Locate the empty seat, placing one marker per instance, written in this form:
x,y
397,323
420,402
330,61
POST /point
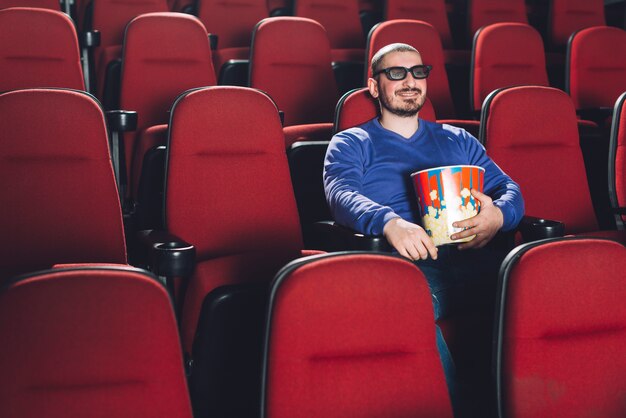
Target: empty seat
x,y
165,54
569,16
486,12
90,341
433,12
38,48
352,334
425,39
110,18
232,22
228,191
60,201
596,67
504,55
531,133
291,62
342,23
617,163
561,329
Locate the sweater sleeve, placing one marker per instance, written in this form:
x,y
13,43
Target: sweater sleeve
x,y
505,192
344,168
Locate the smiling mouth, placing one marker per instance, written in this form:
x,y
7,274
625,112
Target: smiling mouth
x,y
409,93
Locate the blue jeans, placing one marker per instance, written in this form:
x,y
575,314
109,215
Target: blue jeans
x,y
460,282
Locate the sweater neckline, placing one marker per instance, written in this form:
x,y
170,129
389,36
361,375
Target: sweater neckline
x,y
416,135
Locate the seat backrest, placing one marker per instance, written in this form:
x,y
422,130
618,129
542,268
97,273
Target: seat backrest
x,y
164,55
38,48
425,38
40,4
531,132
352,334
486,12
228,191
617,160
91,341
232,21
569,16
358,106
339,18
290,61
596,67
431,11
561,330
60,203
503,55
110,17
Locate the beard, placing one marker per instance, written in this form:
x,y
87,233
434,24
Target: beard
x,y
406,108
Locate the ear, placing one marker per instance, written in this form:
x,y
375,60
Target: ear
x,y
372,86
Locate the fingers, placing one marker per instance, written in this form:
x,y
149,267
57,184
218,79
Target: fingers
x,y
481,197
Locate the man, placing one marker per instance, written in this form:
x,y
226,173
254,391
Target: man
x,y
368,188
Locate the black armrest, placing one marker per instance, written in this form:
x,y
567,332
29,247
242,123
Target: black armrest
x,y
213,40
331,236
597,115
88,41
534,229
618,211
166,254
121,120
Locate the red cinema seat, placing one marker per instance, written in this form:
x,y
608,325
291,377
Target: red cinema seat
x,y
90,341
486,12
531,133
232,22
504,55
39,4
342,23
569,16
164,55
352,335
38,48
228,191
60,202
561,330
291,62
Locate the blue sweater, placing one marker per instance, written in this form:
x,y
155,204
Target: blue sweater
x,y
367,173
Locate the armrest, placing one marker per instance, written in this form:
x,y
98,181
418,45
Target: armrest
x,y
166,254
121,120
331,236
213,40
597,115
619,211
534,229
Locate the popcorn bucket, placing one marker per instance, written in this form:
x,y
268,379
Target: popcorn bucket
x,y
443,195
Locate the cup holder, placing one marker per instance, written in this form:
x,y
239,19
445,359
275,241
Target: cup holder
x,y
174,258
536,229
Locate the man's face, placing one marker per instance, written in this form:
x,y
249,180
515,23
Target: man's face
x,y
403,98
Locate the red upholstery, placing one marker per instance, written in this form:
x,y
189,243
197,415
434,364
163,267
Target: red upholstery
x,y
358,106
486,12
60,203
569,16
110,17
40,4
310,132
506,54
232,22
97,342
291,62
342,23
228,191
352,335
563,331
531,133
617,160
597,67
433,12
38,48
165,54
425,38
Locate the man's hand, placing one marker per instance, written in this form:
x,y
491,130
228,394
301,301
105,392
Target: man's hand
x,y
409,239
484,225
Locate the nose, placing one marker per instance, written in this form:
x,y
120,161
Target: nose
x,y
409,81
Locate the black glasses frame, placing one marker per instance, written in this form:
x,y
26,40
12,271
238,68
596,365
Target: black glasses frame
x,y
424,68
